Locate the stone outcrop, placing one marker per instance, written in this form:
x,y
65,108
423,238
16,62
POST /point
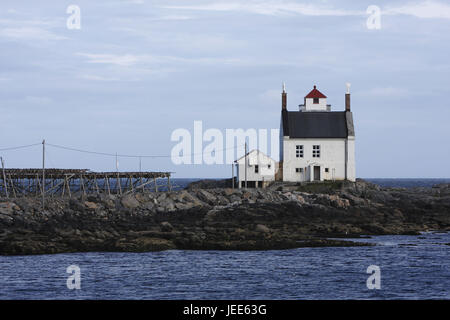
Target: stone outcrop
x,y
210,184
278,217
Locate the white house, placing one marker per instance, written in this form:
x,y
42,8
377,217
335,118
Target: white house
x,y
256,169
317,144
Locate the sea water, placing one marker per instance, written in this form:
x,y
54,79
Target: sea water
x,y
411,267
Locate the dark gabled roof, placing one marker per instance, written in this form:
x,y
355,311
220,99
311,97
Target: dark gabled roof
x,y
315,94
315,124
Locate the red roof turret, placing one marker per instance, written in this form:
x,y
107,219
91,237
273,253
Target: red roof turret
x,y
315,94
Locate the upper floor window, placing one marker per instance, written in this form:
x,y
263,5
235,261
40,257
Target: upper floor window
x,y
299,151
256,168
316,151
315,100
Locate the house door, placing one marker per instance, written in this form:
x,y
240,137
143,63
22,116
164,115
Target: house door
x,y
316,173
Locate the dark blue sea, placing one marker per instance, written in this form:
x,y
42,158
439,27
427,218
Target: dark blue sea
x,y
406,183
410,267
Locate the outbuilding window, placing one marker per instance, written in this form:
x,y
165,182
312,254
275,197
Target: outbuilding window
x,y
315,100
316,151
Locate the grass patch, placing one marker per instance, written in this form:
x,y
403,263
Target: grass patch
x,y
321,187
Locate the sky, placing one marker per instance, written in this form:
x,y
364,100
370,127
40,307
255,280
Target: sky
x,y
136,70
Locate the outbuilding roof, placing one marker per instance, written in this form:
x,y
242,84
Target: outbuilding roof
x,y
258,152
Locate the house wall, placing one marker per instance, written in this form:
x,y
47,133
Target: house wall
x,y
351,167
332,156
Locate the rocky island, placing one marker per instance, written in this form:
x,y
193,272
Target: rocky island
x,y
207,217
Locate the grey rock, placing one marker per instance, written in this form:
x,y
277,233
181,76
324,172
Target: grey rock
x,y
166,227
130,202
8,208
206,197
149,206
184,206
262,228
76,205
6,219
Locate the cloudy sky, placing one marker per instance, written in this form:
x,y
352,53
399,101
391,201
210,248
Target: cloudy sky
x,y
139,69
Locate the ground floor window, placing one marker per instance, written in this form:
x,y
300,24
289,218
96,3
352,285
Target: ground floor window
x,y
299,170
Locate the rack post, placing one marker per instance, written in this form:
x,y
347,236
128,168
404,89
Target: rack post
x,y
232,175
245,164
43,174
5,183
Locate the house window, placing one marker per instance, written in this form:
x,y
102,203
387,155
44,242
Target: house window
x,y
299,151
327,170
299,170
316,100
269,166
256,168
316,151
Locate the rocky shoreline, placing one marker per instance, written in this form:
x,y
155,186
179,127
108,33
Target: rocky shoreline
x,y
209,218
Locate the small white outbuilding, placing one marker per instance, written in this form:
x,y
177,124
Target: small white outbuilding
x,y
256,169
